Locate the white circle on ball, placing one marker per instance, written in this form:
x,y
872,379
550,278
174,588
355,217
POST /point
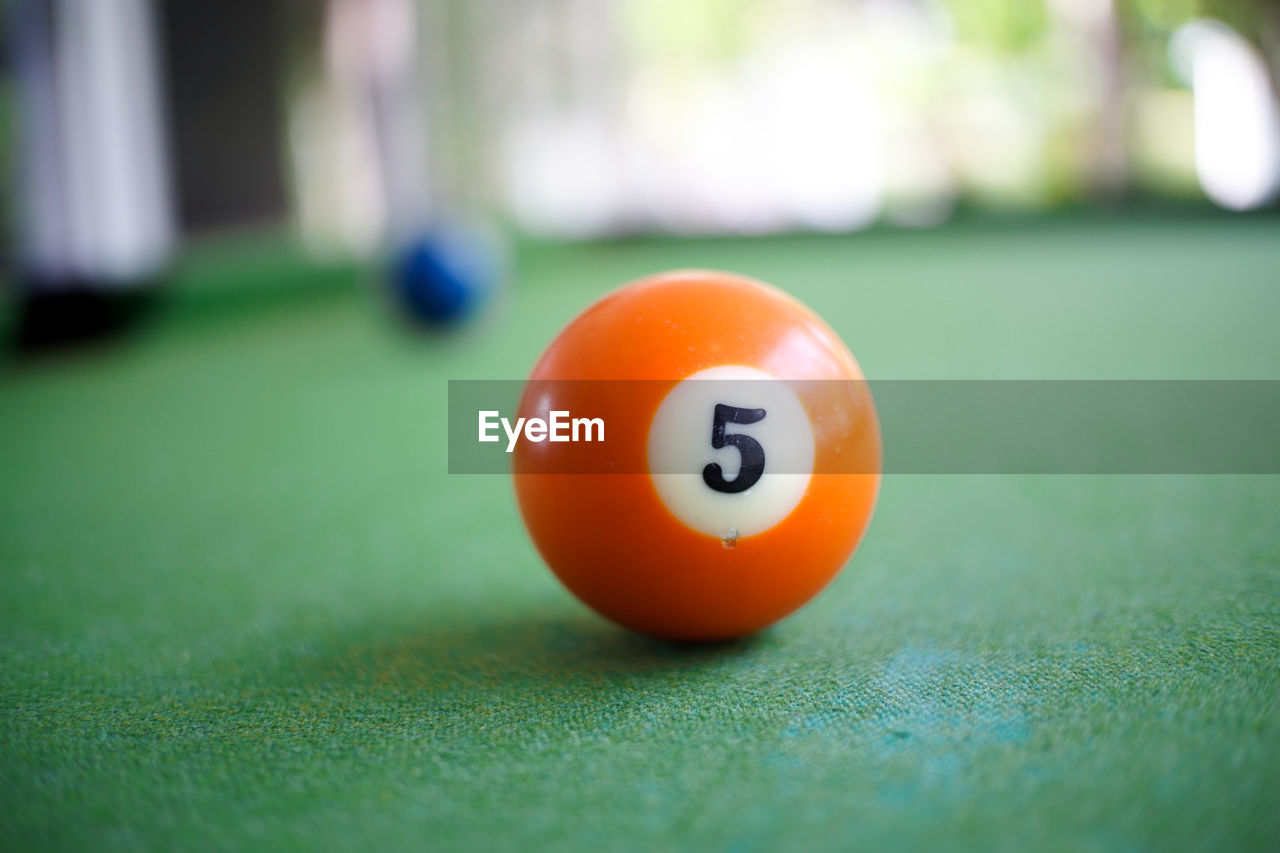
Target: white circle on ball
x,y
734,500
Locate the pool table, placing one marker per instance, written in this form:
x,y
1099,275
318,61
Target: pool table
x,y
243,605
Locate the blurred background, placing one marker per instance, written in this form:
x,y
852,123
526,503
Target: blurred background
x,y
135,126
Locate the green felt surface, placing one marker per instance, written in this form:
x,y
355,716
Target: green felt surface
x,y
242,605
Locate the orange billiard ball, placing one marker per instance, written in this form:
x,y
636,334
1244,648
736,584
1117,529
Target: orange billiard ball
x,y
738,461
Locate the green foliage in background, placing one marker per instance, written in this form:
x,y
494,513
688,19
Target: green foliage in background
x,y
715,31
1163,15
1152,22
1001,25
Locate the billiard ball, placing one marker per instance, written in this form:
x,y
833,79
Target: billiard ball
x,y
442,277
741,464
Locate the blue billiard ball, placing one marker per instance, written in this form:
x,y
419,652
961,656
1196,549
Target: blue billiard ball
x,y
443,277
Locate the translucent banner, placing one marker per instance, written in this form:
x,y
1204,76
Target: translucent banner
x,y
753,427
